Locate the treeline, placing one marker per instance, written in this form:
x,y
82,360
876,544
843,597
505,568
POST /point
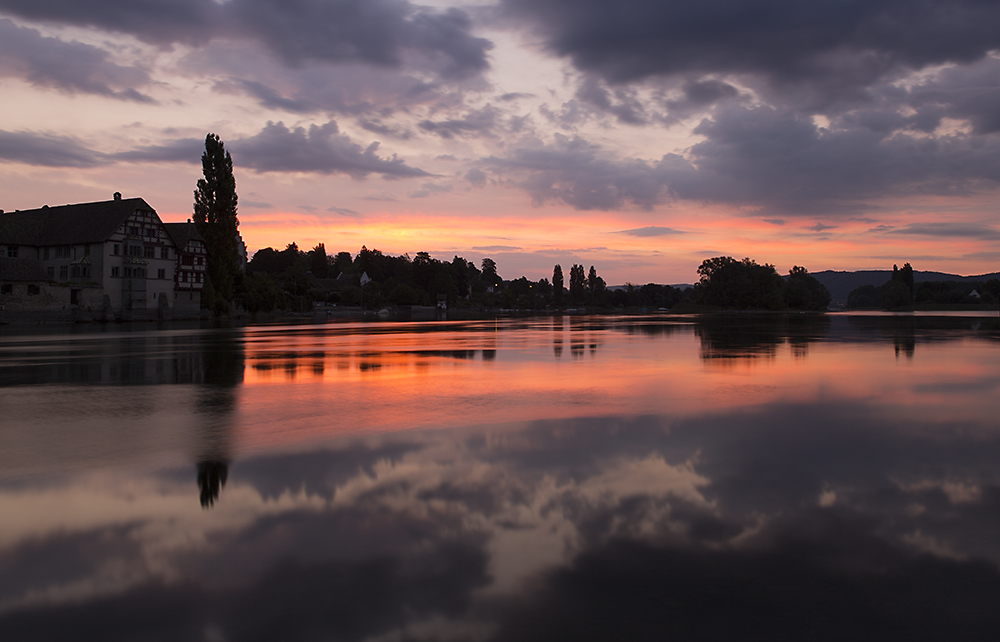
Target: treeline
x,y
744,285
900,292
292,279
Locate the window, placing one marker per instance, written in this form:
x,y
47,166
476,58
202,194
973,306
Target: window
x,y
45,254
115,249
149,251
51,272
161,273
86,250
84,270
116,271
62,252
63,272
12,251
33,289
187,260
164,252
7,288
135,250
75,271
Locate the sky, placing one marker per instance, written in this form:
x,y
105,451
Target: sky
x,y
638,136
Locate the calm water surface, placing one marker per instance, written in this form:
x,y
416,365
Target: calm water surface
x,y
567,478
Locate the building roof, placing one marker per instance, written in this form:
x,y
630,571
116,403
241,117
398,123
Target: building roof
x,y
68,224
21,269
183,233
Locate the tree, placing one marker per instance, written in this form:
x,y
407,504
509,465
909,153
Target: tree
x,y
557,284
594,283
577,284
215,219
740,285
904,276
490,277
317,261
461,270
804,292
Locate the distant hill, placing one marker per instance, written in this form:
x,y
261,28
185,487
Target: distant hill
x,y
840,284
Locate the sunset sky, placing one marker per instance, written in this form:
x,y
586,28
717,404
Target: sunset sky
x,y
639,136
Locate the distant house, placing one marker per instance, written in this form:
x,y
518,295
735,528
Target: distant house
x,y
108,257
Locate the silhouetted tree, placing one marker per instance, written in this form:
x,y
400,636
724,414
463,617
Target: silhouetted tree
x,y
490,276
905,277
342,263
557,284
215,219
577,284
740,285
317,261
804,292
460,268
594,283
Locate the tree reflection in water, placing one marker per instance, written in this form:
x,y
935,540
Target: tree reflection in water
x,y
224,365
211,479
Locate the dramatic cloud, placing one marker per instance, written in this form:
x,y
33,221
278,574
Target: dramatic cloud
x,y
587,177
72,67
828,42
763,157
46,150
321,149
377,32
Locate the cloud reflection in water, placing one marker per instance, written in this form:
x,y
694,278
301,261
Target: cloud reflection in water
x,y
823,516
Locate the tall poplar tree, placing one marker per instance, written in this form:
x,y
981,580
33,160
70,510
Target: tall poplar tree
x,y
215,219
557,284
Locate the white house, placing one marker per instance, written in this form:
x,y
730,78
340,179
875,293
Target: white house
x,y
112,256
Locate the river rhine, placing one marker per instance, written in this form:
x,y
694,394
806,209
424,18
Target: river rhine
x,y
549,478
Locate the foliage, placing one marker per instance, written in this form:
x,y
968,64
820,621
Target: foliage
x,y
215,219
557,284
577,285
804,292
740,285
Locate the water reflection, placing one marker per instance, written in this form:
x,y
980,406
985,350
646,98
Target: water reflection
x,y
468,483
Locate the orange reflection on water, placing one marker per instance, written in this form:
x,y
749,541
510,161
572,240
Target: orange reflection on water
x,y
303,384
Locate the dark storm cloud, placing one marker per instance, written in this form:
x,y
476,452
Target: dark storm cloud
x,y
72,67
46,150
161,22
779,161
829,41
321,149
620,102
378,32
